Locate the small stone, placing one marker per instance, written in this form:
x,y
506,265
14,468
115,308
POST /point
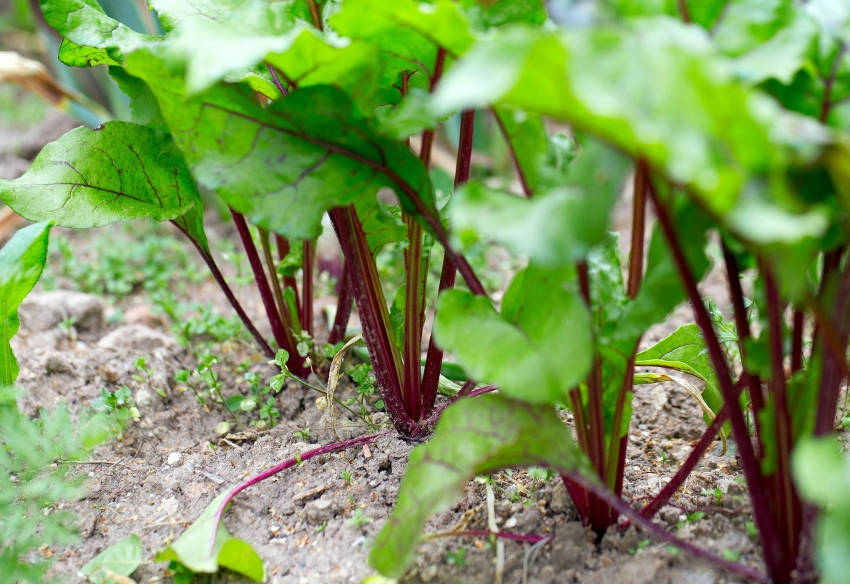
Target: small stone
x,y
669,515
145,398
560,499
173,458
134,339
319,510
428,573
57,363
42,311
511,522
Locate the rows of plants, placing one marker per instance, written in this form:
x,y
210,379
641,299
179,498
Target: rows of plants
x,y
721,118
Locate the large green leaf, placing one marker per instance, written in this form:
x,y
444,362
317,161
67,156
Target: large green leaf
x,y
215,39
21,262
407,34
84,23
555,228
285,165
195,548
473,437
684,350
539,346
118,172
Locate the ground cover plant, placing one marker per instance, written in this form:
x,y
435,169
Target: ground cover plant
x,y
721,128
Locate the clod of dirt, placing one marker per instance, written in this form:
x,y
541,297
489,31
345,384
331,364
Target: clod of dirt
x,y
42,311
135,339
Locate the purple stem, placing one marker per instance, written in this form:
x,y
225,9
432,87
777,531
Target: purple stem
x,y
228,293
308,260
281,333
343,306
434,356
289,462
500,534
770,537
374,318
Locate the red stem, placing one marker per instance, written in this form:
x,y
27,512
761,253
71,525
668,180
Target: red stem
x,y
289,462
308,259
344,302
434,356
658,532
281,333
374,318
770,537
228,293
787,499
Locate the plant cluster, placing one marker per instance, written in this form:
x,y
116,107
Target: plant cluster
x,y
723,118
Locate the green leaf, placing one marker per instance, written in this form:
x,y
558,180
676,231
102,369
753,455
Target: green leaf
x,y
216,39
119,559
193,548
684,350
822,474
779,58
75,55
473,437
554,229
144,108
502,12
539,346
119,172
84,23
285,165
683,130
21,262
407,34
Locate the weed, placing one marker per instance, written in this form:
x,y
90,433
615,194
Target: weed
x,y
359,519
119,404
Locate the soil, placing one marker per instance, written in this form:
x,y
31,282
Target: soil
x,y
158,477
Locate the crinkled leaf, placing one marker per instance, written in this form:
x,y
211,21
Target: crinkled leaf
x,y
503,12
747,24
193,549
473,437
285,165
779,58
215,39
408,34
118,560
316,58
84,23
555,228
75,55
118,172
684,350
535,350
21,262
144,108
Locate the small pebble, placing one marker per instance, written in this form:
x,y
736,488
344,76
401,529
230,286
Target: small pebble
x,y
173,458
